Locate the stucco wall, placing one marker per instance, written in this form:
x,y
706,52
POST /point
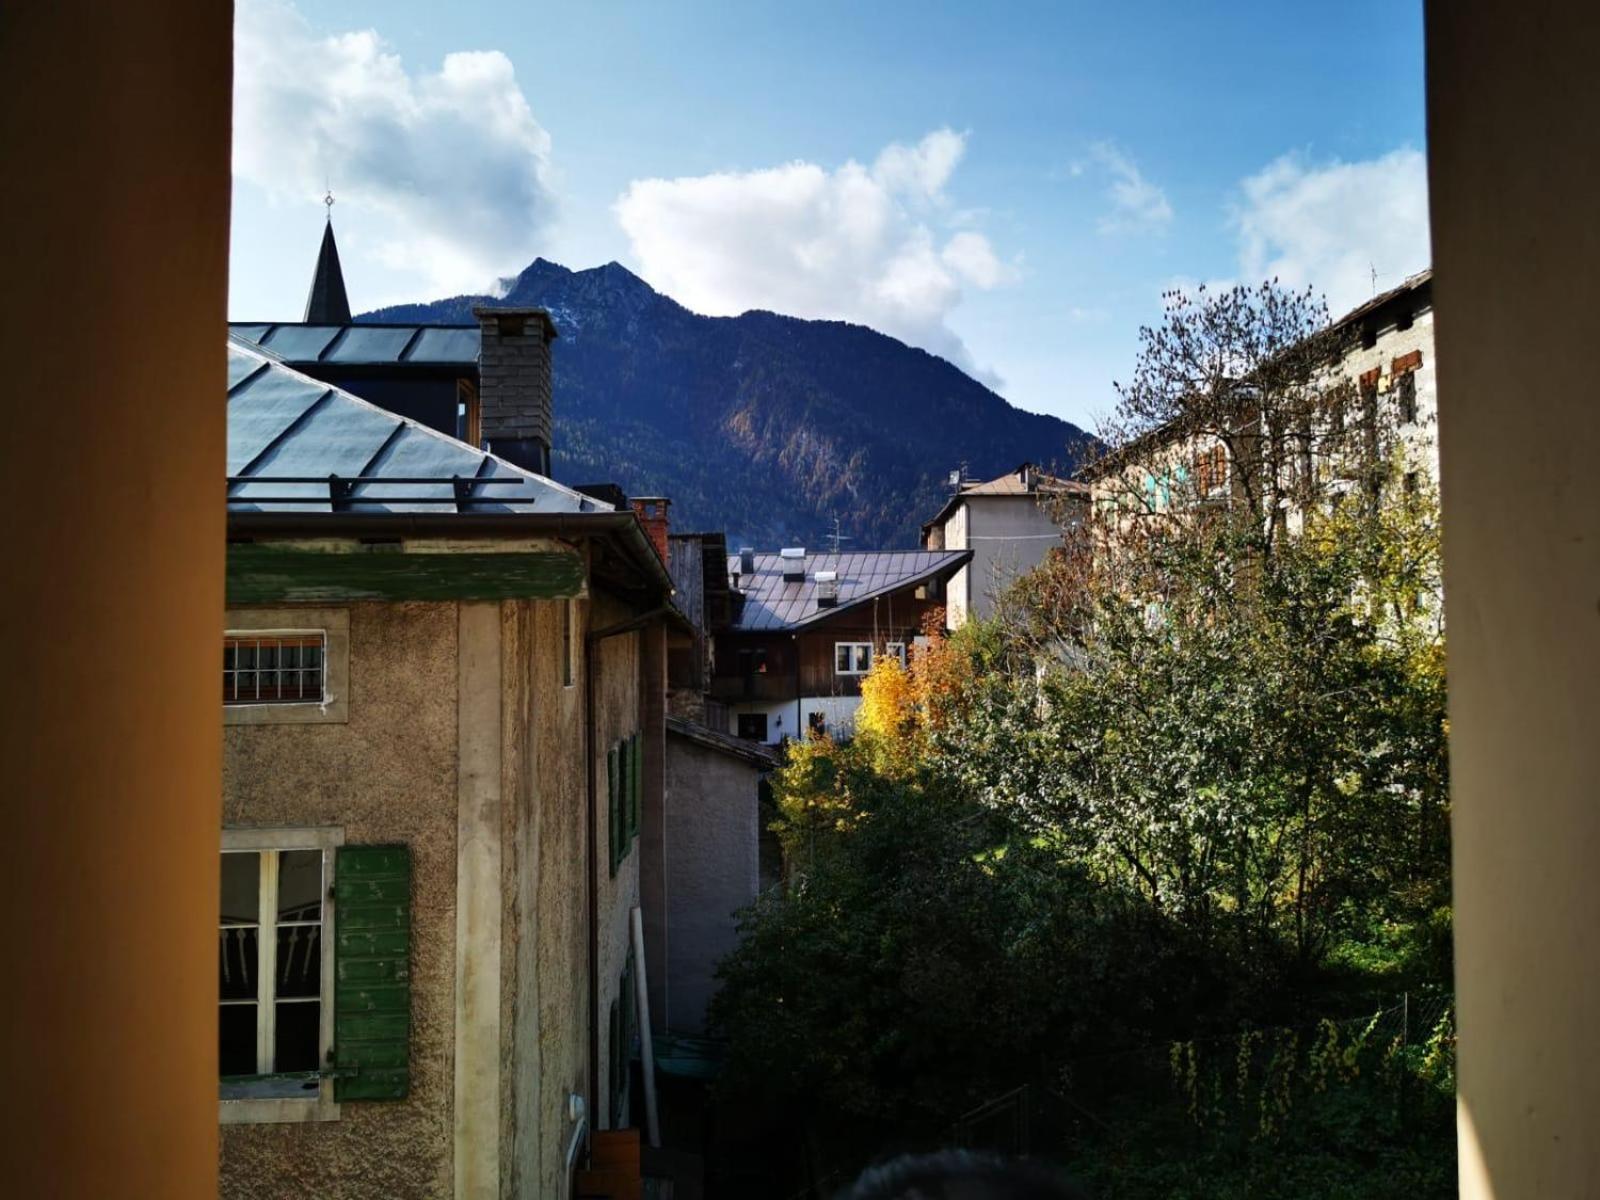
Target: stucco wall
x,y
712,862
388,775
546,955
1008,536
616,715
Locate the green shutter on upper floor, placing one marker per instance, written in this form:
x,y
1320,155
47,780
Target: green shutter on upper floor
x,y
635,782
614,808
372,973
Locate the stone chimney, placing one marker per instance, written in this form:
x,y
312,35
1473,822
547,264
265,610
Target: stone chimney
x,y
652,514
514,385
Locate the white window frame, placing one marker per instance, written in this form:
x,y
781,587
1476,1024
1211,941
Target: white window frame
x,y
898,649
852,648
333,624
285,1109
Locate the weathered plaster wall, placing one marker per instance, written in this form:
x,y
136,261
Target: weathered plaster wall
x,y
546,940
616,714
388,775
712,859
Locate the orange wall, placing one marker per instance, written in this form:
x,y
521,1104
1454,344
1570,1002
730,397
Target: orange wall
x,y
114,125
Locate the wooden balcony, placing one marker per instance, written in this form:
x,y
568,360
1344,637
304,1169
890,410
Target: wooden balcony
x,y
734,688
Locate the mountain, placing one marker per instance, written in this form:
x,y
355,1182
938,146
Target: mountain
x,y
765,426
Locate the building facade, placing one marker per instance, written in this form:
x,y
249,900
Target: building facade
x,y
443,685
1009,524
806,628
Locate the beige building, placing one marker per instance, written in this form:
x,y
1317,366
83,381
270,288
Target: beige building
x,y
1009,523
1379,400
443,688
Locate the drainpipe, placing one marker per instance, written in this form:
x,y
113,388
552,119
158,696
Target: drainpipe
x,y
794,642
591,642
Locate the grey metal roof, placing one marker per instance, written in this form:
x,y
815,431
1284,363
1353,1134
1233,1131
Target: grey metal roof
x,y
772,603
283,425
363,345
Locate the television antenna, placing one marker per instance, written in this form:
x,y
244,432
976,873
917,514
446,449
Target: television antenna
x,y
835,538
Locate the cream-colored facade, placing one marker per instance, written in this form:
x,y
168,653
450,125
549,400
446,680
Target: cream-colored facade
x,y
1386,377
461,739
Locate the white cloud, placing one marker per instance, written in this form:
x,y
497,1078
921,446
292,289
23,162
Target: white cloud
x,y
449,170
1331,226
853,243
1137,205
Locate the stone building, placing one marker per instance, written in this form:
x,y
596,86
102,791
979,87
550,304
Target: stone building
x,y
443,693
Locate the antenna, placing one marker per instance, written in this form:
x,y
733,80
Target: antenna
x,y
836,537
1372,269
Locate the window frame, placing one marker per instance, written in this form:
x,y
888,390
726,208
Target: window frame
x,y
900,651
322,1106
320,636
333,624
852,647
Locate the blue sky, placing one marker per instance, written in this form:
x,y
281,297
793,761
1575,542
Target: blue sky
x,y
1012,186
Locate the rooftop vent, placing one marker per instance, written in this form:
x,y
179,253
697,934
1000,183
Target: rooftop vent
x,y
827,588
747,561
794,564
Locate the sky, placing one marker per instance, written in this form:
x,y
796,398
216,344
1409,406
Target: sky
x,y
1011,186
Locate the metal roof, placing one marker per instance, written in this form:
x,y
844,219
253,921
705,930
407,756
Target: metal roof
x,y
365,344
289,433
772,603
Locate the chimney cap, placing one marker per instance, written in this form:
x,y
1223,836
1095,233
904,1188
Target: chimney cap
x,y
484,313
792,552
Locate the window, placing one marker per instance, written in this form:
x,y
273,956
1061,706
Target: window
x,y
1211,470
753,726
286,666
567,656
275,968
897,650
274,668
278,959
624,1037
1405,391
817,723
852,658
469,418
624,795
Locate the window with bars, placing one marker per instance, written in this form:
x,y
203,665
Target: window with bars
x,y
274,667
273,981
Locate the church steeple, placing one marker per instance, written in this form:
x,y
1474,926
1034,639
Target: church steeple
x,y
327,304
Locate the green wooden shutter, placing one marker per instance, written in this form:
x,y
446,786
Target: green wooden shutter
x,y
614,807
372,973
636,780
